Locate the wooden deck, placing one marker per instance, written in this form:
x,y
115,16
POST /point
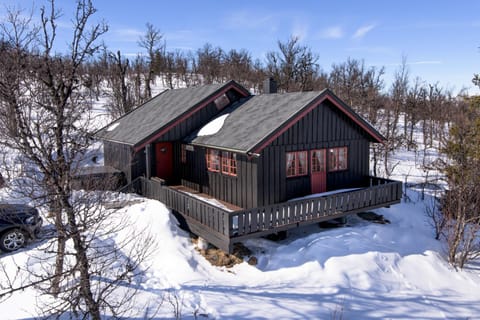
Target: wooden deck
x,y
223,227
207,198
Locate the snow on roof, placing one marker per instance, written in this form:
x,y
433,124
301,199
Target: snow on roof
x,y
113,126
213,126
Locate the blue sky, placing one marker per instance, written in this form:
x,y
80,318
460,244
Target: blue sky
x,y
440,39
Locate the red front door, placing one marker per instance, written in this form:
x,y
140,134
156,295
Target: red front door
x,y
164,160
318,171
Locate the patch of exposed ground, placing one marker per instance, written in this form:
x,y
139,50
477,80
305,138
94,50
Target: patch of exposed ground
x,y
220,258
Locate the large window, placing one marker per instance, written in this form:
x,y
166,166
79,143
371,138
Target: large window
x,y
229,163
337,159
297,164
213,160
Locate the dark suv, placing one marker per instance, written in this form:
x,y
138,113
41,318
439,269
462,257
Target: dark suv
x,y
18,224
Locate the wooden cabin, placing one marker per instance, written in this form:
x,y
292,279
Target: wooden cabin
x,y
245,152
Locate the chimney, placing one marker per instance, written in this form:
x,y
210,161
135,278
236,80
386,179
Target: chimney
x,y
269,86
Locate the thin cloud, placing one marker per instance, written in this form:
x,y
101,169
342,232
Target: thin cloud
x,y
128,34
332,33
415,63
372,49
248,20
426,62
300,30
362,31
182,35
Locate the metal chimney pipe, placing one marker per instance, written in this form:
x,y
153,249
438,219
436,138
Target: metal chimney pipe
x,y
269,86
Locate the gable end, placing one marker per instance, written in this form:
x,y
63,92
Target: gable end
x,y
326,95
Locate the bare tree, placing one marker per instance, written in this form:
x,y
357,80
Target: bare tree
x,y
412,109
121,100
139,68
239,66
45,118
209,62
294,67
182,67
435,215
169,69
461,203
398,95
359,86
152,42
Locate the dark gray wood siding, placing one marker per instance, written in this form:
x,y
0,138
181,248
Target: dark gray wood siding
x,y
139,164
240,190
121,157
322,128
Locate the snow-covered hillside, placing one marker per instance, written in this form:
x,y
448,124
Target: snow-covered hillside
x,y
360,271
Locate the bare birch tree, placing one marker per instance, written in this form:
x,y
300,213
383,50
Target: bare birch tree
x,y
44,117
294,66
152,42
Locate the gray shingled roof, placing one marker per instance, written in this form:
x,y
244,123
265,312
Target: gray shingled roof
x,y
251,123
256,119
146,120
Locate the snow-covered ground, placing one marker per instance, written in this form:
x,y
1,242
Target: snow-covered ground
x,y
360,271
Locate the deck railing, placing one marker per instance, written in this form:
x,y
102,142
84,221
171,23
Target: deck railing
x,y
204,219
381,193
221,227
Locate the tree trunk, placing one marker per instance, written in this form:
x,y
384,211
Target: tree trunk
x,y
60,255
82,264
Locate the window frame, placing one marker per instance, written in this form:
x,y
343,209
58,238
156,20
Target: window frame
x,y
229,163
213,160
219,161
337,159
298,169
221,101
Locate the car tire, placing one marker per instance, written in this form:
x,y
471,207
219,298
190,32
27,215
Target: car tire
x,y
12,240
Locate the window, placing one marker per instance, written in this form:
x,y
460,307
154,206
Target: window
x,y
318,160
183,154
224,161
222,101
337,159
213,160
229,163
297,163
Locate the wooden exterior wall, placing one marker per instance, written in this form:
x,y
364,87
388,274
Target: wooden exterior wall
x,y
262,180
324,127
240,190
121,157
